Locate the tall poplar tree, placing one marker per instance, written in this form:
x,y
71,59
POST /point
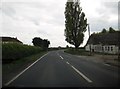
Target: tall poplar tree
x,y
75,23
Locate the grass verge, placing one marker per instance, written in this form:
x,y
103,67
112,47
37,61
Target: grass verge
x,y
12,69
83,52
77,52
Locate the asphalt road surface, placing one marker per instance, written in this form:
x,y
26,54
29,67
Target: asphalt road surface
x,y
59,69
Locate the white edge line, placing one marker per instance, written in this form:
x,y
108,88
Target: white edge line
x,y
81,74
24,70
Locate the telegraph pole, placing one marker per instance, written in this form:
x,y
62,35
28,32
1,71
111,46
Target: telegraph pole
x,y
89,37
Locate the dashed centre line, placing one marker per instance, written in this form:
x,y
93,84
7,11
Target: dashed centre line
x,y
107,64
68,63
81,74
61,57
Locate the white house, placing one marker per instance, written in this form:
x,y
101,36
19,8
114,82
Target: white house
x,y
104,42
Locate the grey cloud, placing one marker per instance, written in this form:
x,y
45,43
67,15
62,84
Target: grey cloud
x,y
103,21
8,10
100,23
43,32
35,21
108,8
112,6
56,15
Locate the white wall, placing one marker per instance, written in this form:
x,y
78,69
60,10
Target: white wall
x,y
112,49
87,48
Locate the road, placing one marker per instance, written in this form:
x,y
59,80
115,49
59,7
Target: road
x,y
59,69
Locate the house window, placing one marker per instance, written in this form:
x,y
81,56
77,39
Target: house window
x,y
102,48
108,48
111,48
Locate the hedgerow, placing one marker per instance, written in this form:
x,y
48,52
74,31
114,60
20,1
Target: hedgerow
x,y
15,51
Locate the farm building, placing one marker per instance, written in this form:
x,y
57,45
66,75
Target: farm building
x,y
104,42
9,40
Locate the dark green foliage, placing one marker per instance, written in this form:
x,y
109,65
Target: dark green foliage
x,y
111,30
15,51
67,46
45,44
41,43
104,30
75,23
37,41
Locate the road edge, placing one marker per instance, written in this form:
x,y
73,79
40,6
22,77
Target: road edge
x,y
6,84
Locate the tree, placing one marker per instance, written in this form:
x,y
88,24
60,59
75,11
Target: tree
x,y
67,46
111,30
104,30
75,23
37,41
45,44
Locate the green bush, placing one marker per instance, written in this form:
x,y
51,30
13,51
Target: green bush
x,y
15,51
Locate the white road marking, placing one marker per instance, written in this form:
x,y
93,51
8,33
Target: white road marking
x,y
68,63
61,57
24,70
81,74
107,64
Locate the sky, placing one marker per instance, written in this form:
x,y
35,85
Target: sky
x,y
26,19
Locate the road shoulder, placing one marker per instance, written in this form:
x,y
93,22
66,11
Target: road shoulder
x,y
111,60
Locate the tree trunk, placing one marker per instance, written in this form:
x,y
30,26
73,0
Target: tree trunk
x,y
76,47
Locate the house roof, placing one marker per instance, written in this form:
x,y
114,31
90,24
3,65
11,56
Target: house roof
x,y
105,39
10,39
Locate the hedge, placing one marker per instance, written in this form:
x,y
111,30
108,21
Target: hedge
x,y
15,51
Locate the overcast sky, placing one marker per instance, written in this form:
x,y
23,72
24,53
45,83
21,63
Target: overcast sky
x,y
26,19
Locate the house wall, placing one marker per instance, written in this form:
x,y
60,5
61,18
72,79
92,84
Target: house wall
x,y
87,48
111,49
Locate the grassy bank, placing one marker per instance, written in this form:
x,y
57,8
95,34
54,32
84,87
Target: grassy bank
x,y
15,51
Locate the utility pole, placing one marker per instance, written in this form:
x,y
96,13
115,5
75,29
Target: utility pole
x,y
89,37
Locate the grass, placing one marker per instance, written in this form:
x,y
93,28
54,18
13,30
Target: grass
x,y
82,51
77,52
